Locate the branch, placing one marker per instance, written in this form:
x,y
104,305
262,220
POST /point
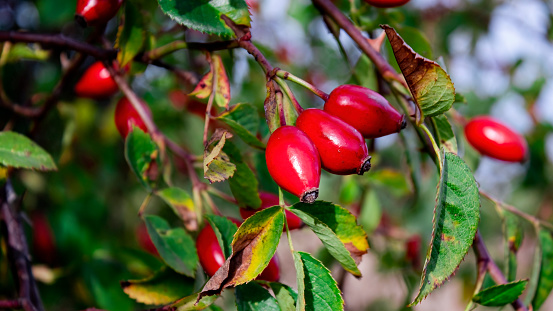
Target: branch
x,y
483,258
388,73
57,41
179,45
18,252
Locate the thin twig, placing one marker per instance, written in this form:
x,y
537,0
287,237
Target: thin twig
x,y
49,41
386,70
179,45
18,251
482,256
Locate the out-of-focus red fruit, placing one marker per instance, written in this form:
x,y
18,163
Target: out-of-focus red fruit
x,y
126,116
271,272
268,200
412,251
93,12
96,83
293,162
364,109
495,139
386,3
211,255
145,241
342,148
44,244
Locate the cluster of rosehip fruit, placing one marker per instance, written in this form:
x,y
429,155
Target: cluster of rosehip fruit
x,y
332,139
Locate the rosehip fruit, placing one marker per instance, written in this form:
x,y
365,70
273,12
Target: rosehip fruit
x,y
126,116
342,148
293,162
96,83
495,139
268,200
212,258
364,109
44,244
386,3
93,12
145,241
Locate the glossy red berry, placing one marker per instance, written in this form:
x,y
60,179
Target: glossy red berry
x,y
93,12
145,241
342,148
364,109
96,83
212,258
293,162
126,116
267,200
495,139
386,3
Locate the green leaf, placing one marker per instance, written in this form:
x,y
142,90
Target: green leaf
x,y
175,246
253,246
456,217
545,281
513,234
253,297
363,73
429,84
500,295
393,180
142,155
371,212
192,303
243,184
317,290
224,230
243,119
19,151
205,16
21,51
444,133
181,203
337,228
217,165
285,295
204,88
131,35
163,287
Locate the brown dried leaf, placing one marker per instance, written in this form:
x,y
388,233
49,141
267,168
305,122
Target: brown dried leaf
x,y
430,85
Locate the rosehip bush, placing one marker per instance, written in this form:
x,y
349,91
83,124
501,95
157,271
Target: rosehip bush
x,y
370,165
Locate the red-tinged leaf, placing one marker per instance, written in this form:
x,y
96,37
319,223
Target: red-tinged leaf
x,y
222,89
163,287
253,246
429,84
182,205
272,102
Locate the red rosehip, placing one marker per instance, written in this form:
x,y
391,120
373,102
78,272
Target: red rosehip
x,y
364,109
386,3
212,258
342,148
412,250
268,200
93,12
126,116
293,162
44,244
494,139
96,83
145,241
